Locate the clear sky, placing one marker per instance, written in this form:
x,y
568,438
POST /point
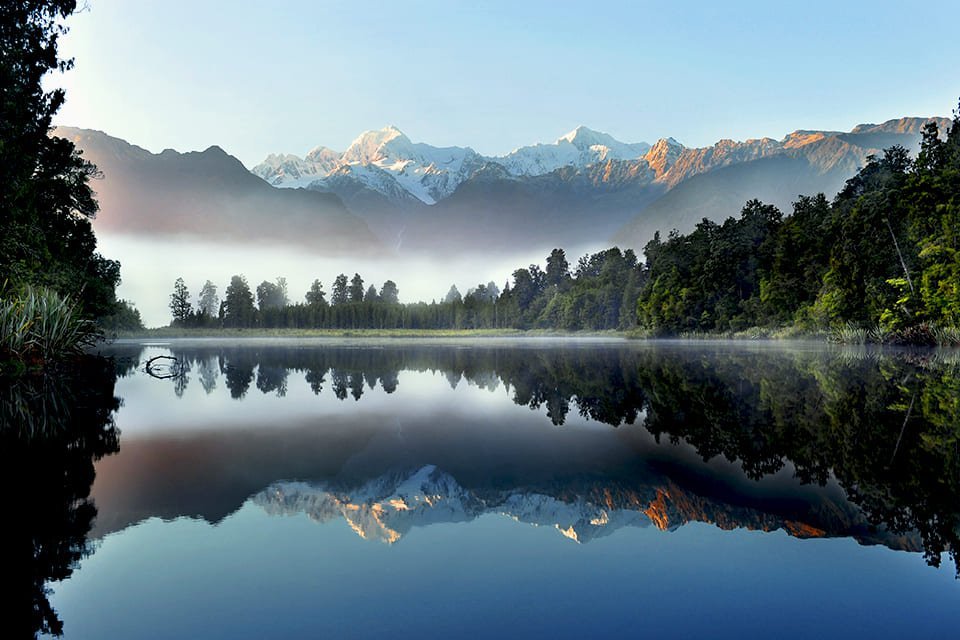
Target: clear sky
x,y
285,76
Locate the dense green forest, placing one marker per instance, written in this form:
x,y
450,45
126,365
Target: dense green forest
x,y
54,282
880,262
881,259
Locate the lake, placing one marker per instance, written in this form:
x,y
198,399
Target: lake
x,y
488,488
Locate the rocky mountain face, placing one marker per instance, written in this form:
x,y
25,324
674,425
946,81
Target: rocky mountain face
x,y
210,194
586,187
715,183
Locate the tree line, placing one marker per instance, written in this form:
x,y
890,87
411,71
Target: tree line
x,y
599,293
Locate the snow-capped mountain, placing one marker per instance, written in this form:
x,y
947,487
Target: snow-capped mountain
x,y
579,148
288,170
384,161
430,173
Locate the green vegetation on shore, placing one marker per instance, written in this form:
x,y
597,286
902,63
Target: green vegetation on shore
x,y
55,282
38,326
254,332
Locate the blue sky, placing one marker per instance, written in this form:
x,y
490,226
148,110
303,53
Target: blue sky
x,y
261,77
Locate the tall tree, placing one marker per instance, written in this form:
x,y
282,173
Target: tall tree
x,y
238,309
558,269
272,295
180,307
316,295
356,288
208,302
389,292
339,294
45,196
453,295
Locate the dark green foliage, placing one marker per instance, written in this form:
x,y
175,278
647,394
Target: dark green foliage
x,y
389,294
356,288
316,296
882,256
558,269
45,197
52,431
801,252
238,309
180,307
125,318
710,279
340,295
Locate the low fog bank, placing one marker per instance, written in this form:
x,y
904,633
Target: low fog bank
x,y
149,267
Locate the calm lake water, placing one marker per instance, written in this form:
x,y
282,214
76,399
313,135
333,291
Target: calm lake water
x,y
496,488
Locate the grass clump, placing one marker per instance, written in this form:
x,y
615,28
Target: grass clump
x,y
38,326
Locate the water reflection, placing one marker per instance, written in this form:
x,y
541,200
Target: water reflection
x,y
813,441
52,430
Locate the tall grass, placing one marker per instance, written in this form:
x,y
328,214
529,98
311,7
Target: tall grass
x,y
38,325
849,333
947,336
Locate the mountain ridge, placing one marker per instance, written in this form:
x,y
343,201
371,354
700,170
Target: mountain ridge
x,y
209,194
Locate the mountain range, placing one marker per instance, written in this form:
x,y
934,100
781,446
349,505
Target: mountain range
x,y
385,193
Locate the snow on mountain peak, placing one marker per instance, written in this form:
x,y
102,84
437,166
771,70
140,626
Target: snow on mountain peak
x,y
579,148
368,147
585,138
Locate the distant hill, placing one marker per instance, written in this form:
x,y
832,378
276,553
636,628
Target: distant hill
x,y
211,195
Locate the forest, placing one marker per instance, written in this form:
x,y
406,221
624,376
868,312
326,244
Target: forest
x,y
599,293
880,262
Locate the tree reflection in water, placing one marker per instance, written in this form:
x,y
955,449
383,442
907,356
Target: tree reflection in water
x,y
886,425
52,430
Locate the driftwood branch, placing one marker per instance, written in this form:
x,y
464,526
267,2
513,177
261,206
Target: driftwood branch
x,y
172,372
896,245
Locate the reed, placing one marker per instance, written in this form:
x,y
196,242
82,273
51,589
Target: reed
x,y
39,326
849,333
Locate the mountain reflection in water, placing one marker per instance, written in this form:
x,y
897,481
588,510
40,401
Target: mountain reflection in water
x,y
814,441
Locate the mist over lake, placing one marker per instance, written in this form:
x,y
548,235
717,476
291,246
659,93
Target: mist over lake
x,y
151,264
